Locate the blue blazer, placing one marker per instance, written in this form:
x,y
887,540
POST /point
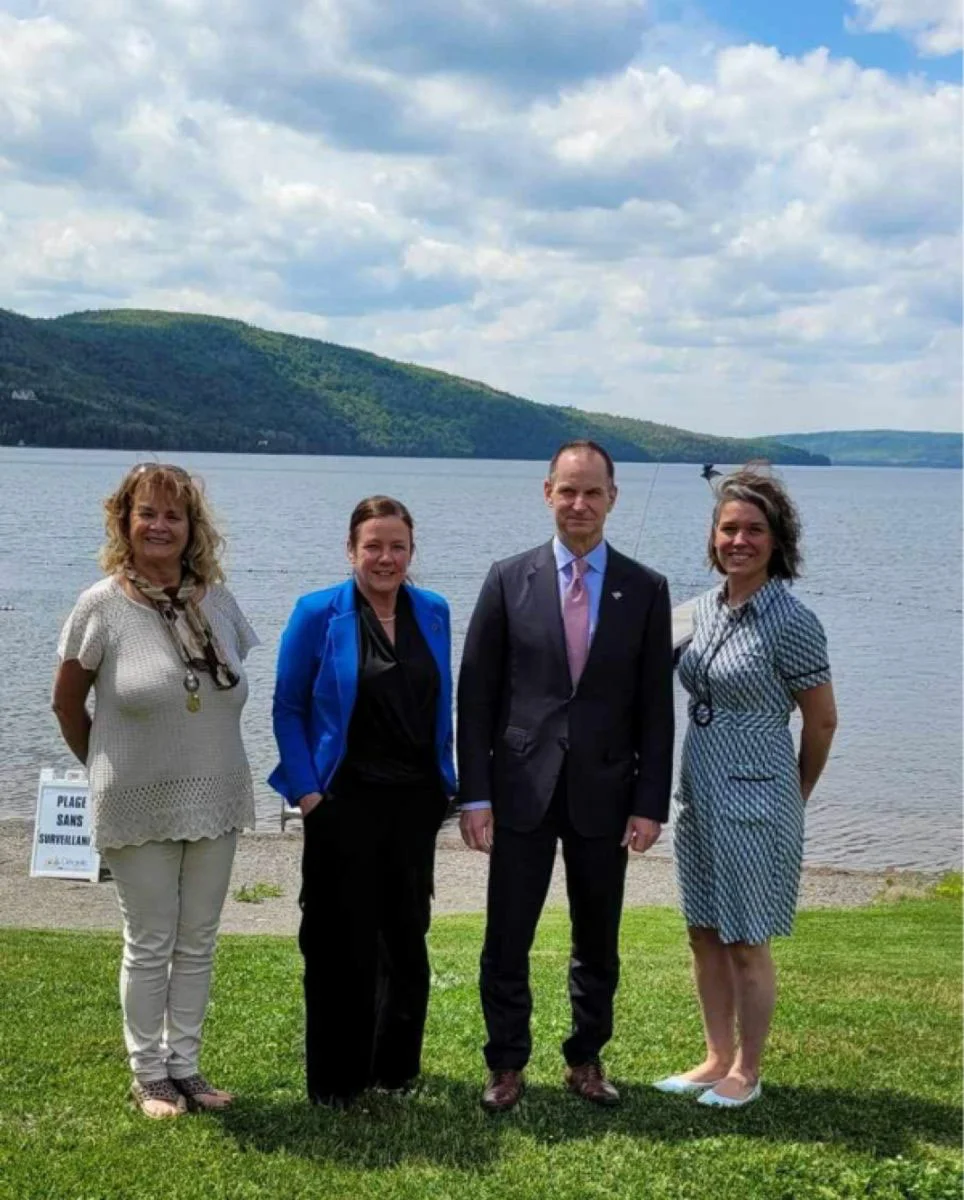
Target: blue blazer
x,y
317,683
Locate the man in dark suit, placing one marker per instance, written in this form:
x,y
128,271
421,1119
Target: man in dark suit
x,y
565,732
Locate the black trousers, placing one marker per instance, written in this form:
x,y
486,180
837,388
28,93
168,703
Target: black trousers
x,y
366,907
519,874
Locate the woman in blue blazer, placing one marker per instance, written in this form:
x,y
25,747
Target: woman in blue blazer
x,y
363,721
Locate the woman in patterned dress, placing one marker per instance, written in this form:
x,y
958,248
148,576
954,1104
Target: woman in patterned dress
x,y
757,653
160,641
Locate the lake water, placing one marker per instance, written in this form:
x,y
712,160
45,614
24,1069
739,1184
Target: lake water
x,y
883,572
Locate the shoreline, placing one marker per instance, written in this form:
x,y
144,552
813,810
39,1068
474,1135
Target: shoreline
x,y
460,879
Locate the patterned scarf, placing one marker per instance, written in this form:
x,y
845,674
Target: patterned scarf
x,y
189,628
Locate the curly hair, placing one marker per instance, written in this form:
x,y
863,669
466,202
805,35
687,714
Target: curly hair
x,y
205,545
753,484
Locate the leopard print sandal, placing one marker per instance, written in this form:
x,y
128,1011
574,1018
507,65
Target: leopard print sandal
x,y
158,1099
200,1095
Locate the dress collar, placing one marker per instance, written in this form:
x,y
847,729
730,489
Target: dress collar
x,y
761,599
596,558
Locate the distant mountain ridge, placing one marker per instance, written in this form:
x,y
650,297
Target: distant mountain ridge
x,y
141,380
881,447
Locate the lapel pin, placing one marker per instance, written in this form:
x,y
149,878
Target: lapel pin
x,y
617,595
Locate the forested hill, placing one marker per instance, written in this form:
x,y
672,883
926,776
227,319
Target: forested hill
x,y
167,381
882,447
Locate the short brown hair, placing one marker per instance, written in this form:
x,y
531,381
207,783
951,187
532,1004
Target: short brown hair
x,y
593,448
753,484
373,507
204,546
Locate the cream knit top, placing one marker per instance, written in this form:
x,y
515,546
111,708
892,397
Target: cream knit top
x,y
158,772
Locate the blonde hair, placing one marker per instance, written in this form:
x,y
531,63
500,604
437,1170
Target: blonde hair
x,y
205,545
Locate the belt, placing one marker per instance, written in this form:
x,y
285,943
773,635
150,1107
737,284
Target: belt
x,y
732,718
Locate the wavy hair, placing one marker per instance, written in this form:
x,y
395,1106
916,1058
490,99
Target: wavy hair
x,y
202,556
753,484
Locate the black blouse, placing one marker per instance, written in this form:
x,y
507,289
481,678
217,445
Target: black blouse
x,y
391,737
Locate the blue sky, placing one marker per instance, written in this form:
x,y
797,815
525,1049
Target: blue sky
x,y
796,27
735,216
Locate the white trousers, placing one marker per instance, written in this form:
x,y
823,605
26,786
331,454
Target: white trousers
x,y
170,895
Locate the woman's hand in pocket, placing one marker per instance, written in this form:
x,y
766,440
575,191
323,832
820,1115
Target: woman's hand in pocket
x,y
309,803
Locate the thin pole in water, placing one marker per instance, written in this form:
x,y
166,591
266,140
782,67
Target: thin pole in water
x,y
642,523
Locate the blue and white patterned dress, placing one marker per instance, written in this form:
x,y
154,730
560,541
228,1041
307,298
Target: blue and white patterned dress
x,y
739,817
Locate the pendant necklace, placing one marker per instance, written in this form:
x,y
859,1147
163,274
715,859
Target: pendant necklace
x,y
701,710
192,685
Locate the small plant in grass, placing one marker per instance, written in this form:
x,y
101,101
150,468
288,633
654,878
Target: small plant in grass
x,y
949,886
256,893
908,886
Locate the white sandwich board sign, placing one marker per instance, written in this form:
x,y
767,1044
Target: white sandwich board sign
x,y
63,843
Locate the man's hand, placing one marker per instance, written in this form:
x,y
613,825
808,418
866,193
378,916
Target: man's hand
x,y
475,825
641,833
309,803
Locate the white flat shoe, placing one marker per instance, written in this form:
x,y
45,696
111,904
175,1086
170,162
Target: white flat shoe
x,y
714,1100
679,1085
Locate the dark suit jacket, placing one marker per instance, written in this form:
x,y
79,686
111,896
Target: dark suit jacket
x,y
519,719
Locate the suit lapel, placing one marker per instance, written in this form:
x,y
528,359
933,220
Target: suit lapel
x,y
433,631
343,635
544,589
613,603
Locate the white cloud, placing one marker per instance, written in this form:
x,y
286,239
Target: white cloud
x,y
933,26
765,242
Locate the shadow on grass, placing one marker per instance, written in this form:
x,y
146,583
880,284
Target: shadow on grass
x,y
444,1124
376,1131
875,1122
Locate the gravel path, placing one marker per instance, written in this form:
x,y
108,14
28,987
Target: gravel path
x,y
275,858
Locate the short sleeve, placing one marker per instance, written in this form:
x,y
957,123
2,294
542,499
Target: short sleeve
x,y
84,635
246,636
801,654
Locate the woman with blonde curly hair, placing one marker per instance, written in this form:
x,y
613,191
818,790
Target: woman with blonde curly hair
x,y
161,642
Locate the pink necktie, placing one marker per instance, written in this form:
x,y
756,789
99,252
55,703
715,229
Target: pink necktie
x,y
575,619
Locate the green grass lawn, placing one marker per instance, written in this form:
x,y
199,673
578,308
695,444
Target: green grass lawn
x,y
862,1085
